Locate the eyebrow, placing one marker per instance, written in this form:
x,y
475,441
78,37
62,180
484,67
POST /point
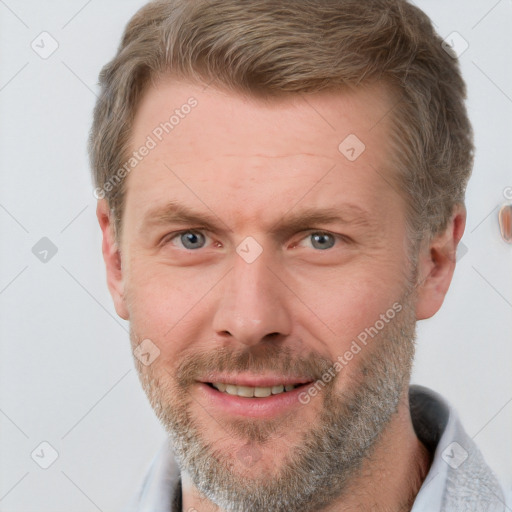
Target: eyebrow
x,y
177,213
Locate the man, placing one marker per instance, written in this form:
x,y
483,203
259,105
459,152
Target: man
x,y
281,194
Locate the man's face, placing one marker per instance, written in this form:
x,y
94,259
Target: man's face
x,y
299,248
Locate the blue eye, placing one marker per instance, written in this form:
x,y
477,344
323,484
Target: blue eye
x,y
192,239
322,240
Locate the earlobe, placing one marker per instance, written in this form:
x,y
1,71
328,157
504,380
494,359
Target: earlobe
x,y
112,258
436,265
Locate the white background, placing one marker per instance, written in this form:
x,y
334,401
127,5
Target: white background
x,y
67,375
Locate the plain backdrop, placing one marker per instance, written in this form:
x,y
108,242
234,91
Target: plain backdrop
x,y
67,376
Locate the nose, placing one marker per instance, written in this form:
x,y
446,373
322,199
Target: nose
x,y
252,307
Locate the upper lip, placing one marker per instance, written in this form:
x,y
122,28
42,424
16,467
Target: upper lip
x,y
262,381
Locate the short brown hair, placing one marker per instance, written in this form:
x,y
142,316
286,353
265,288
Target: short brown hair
x,y
269,47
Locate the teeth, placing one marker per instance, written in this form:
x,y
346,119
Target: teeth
x,y
250,392
231,390
263,392
245,391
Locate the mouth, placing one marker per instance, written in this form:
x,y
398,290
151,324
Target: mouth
x,y
252,392
255,397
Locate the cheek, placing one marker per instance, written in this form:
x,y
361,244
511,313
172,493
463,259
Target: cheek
x,y
347,301
165,302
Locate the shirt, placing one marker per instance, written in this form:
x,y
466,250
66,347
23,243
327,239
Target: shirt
x,y
459,480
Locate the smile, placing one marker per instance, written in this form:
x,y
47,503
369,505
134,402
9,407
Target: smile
x,y
252,392
264,399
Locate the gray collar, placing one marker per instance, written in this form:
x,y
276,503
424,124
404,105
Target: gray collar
x,y
459,479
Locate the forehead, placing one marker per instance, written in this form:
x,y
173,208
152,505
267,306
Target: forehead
x,y
210,145
175,110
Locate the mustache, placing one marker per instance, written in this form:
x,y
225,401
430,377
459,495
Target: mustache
x,y
257,359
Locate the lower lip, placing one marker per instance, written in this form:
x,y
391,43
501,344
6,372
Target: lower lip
x,y
266,407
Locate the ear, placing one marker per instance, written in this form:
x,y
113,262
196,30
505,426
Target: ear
x,y
436,265
112,257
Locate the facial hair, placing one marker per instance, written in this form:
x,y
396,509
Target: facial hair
x,y
320,467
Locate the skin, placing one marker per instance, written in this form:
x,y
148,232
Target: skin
x,y
249,164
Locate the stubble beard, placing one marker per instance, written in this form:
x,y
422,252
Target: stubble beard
x,y
320,467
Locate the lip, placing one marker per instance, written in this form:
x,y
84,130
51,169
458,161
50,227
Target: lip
x,y
253,381
265,408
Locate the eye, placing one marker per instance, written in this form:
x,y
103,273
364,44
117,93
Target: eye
x,y
189,239
321,240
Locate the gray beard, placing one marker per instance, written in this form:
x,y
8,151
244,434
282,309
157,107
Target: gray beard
x,y
320,468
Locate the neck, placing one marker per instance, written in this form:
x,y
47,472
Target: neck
x,y
391,478
388,481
